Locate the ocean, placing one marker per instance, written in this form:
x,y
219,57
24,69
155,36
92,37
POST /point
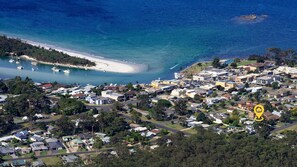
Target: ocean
x,y
167,35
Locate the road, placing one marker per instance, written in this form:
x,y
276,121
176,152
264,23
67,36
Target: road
x,y
127,117
53,155
284,127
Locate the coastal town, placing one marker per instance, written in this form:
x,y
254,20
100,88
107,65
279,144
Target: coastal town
x,y
48,124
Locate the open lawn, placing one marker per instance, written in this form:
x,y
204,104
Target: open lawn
x,y
246,62
195,68
51,161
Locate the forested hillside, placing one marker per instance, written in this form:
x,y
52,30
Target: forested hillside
x,y
207,148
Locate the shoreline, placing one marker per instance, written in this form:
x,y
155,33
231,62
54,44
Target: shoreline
x,y
102,64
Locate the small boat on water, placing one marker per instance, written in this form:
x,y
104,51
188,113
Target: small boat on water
x,y
33,69
20,67
11,61
55,69
34,63
66,71
17,62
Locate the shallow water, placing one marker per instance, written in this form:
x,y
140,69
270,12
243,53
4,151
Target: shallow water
x,y
163,34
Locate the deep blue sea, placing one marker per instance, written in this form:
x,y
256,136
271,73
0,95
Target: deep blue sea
x,y
161,33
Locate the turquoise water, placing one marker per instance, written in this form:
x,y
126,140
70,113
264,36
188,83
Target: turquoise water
x,y
162,34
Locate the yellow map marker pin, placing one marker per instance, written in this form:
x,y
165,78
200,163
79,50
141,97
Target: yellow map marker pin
x,y
259,110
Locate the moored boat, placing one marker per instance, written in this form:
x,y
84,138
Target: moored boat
x,y
55,69
11,61
20,67
66,71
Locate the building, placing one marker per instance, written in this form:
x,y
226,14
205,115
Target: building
x,y
38,146
226,84
77,143
69,159
54,144
112,95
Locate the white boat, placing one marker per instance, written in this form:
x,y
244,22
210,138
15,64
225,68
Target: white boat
x,y
34,63
55,69
33,69
66,71
20,67
17,62
11,61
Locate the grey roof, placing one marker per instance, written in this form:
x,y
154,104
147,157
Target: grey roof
x,y
55,145
6,150
69,158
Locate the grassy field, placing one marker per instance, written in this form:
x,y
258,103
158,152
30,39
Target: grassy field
x,y
246,62
289,128
195,68
51,161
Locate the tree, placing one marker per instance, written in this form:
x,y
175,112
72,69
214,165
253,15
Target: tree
x,y
286,117
135,116
181,107
65,126
130,86
233,65
144,102
98,143
216,62
275,85
69,106
201,117
118,106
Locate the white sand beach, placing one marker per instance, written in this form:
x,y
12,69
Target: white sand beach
x,y
102,64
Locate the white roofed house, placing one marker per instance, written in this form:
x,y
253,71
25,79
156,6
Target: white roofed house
x,y
38,146
178,92
112,95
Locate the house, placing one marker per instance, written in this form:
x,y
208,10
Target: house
x,y
38,163
85,136
112,95
98,100
226,84
178,92
246,78
54,144
255,67
18,163
103,137
38,146
22,135
76,143
267,80
269,116
47,86
69,159
36,138
67,138
201,77
214,72
78,96
2,99
6,150
23,150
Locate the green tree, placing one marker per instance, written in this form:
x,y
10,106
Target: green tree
x,y
136,116
181,107
216,62
144,102
70,106
98,143
201,117
233,65
275,85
